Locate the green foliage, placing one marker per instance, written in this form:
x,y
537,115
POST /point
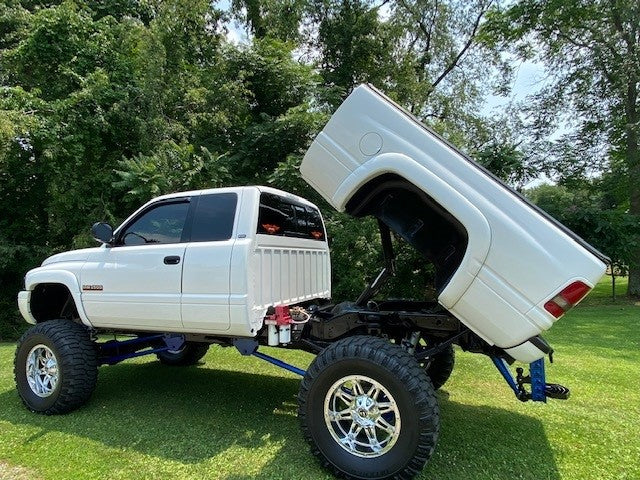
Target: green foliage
x,y
591,50
147,176
354,45
505,161
588,212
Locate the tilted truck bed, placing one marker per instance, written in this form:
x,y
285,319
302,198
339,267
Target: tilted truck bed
x,y
499,259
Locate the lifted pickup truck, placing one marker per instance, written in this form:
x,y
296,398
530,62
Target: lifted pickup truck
x,y
249,266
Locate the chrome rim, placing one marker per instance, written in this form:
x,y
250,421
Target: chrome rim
x,y
42,370
362,416
176,352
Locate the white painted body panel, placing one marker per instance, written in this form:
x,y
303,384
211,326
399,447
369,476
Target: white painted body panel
x,y
272,270
219,287
205,286
139,290
24,298
516,259
66,271
206,279
288,271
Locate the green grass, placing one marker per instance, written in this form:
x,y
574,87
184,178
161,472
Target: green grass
x,y
234,417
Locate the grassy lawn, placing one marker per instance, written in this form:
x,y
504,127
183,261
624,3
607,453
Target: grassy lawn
x,y
234,417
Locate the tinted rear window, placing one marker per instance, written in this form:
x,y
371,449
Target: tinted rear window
x,y
283,217
214,217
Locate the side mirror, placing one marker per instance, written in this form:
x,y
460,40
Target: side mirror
x,y
102,232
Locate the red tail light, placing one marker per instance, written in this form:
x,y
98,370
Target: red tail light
x,y
566,299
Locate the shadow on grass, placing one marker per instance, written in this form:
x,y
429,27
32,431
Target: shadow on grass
x,y
192,414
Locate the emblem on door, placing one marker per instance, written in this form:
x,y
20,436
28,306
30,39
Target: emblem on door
x,y
92,288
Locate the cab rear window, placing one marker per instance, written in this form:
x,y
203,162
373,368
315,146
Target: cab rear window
x,y
287,218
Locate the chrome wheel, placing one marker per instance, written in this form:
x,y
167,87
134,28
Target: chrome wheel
x,y
362,416
178,351
42,370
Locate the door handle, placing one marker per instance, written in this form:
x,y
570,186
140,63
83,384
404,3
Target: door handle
x,y
172,260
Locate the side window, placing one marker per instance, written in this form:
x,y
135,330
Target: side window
x,y
160,225
214,217
279,216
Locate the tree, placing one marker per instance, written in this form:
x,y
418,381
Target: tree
x,y
589,211
591,50
278,19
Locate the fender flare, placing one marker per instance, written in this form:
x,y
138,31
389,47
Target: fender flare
x,y
478,228
62,277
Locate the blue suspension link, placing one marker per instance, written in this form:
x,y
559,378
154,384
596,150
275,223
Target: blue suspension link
x,y
501,365
279,363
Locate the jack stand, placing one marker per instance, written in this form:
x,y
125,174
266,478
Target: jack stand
x,y
536,378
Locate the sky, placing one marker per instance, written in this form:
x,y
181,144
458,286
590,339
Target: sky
x,y
529,77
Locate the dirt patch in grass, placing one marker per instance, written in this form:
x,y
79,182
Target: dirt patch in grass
x,y
9,472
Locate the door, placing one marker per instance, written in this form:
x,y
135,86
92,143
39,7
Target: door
x,y
136,284
207,266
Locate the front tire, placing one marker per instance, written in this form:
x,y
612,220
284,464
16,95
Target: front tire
x,y
55,367
368,410
190,354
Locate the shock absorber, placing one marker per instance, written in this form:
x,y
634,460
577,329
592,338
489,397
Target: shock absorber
x,y
411,343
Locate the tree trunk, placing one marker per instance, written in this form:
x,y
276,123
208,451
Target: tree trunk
x,y
613,285
633,162
254,18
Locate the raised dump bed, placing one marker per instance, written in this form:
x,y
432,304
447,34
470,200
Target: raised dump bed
x,y
503,267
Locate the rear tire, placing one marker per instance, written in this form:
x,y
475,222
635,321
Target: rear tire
x,y
440,366
55,367
368,410
190,354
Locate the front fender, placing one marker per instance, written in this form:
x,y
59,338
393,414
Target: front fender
x,y
38,276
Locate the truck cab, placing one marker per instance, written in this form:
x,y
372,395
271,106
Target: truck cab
x,y
208,262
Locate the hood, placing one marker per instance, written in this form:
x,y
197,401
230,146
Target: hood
x,y
72,256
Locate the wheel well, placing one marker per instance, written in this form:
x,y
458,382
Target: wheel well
x,y
51,301
417,218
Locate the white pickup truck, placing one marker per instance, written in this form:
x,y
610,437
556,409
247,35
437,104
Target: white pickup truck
x,y
249,266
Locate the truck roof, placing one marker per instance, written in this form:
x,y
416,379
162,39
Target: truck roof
x,y
261,188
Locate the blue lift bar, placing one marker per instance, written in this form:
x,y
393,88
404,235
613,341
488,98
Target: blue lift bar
x,y
279,363
536,378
